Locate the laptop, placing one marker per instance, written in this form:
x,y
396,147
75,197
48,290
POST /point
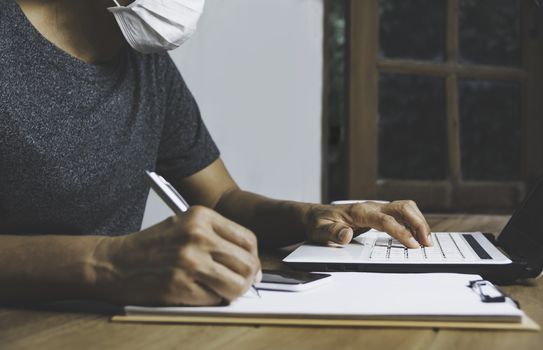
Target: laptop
x,y
516,254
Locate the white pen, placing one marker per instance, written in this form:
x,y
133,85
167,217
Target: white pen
x,y
171,197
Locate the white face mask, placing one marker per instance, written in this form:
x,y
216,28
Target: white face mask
x,y
158,25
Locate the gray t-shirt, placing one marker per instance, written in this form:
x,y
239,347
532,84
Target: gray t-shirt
x,y
75,138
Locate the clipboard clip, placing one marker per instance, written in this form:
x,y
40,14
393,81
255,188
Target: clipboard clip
x,y
488,292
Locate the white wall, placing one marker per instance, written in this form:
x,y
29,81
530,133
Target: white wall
x,y
255,68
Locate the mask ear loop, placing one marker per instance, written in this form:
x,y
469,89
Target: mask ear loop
x,y
117,3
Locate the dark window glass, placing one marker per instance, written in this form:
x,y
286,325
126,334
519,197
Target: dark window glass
x,y
413,29
489,32
490,130
412,127
336,98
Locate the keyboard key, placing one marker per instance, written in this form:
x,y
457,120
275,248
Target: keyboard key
x,y
397,245
432,250
396,254
382,242
433,253
464,248
448,246
431,238
379,253
453,256
366,241
415,254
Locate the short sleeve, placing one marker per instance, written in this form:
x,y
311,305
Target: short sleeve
x,y
186,146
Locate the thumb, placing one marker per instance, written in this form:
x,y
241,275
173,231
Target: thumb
x,y
335,232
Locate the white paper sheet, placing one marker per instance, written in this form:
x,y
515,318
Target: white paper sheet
x,y
437,296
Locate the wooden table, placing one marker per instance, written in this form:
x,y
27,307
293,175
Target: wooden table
x,y
87,326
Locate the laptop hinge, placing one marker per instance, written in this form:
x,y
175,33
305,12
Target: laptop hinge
x,y
491,238
523,270
520,267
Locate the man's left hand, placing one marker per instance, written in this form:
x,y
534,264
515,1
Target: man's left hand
x,y
340,223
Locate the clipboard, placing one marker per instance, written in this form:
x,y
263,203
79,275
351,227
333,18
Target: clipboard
x,y
526,324
354,299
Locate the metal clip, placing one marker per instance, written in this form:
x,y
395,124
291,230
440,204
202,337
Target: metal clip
x,y
487,291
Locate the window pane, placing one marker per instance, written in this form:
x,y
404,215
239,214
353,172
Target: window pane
x,y
490,130
489,32
336,52
413,29
412,127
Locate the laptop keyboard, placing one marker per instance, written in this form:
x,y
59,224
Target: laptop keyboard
x,y
447,247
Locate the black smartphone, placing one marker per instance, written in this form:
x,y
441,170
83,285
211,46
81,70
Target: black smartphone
x,y
291,281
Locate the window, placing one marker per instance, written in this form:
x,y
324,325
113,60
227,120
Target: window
x,y
441,99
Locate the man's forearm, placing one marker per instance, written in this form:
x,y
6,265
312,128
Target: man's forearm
x,y
276,223
40,268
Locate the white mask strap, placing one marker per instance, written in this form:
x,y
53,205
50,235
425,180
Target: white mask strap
x,y
117,3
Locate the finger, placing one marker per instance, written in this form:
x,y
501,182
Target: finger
x,y
387,223
258,277
413,219
235,258
235,233
416,225
187,292
222,280
202,296
335,232
419,225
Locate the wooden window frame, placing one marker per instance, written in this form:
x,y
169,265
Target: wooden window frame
x,y
453,193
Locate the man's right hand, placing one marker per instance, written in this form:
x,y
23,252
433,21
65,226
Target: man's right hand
x,y
195,258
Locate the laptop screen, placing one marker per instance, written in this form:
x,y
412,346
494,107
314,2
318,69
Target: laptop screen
x,y
522,238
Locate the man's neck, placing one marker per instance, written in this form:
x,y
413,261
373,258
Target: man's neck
x,y
82,28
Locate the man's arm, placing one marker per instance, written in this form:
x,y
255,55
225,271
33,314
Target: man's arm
x,y
276,223
194,258
279,223
42,268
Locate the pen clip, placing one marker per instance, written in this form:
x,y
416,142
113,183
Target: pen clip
x,y
488,292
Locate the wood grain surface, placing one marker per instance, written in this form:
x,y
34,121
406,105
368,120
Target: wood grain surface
x,y
85,325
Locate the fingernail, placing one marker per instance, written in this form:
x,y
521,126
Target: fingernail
x,y
413,243
430,242
343,234
258,277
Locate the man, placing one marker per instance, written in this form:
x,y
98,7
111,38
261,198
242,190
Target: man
x,y
82,115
